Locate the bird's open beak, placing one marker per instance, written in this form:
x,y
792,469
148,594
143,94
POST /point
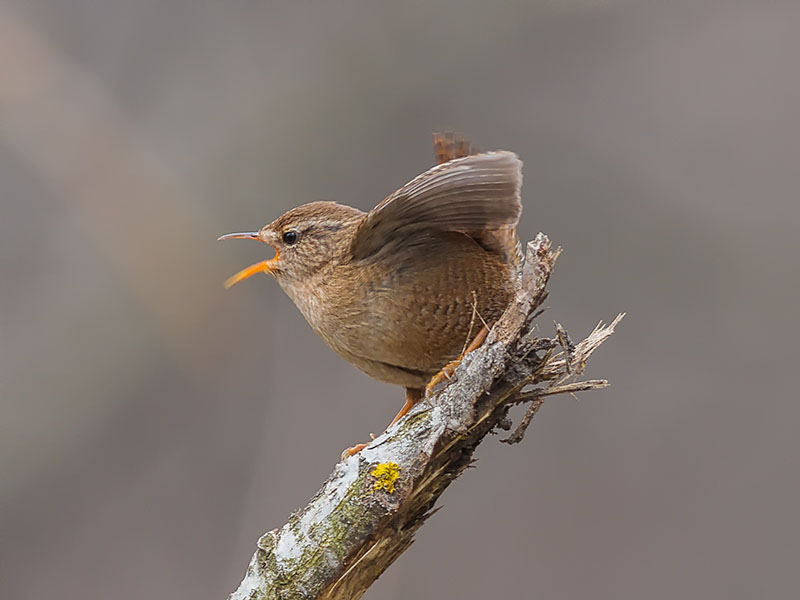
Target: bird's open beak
x,y
265,266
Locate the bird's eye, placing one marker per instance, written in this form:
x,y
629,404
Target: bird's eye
x,y
290,237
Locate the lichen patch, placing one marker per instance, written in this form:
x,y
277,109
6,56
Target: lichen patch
x,y
385,475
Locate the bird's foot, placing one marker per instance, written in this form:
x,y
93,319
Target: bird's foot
x,y
353,450
446,373
413,395
449,369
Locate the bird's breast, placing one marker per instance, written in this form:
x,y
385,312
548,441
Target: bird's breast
x,y
411,315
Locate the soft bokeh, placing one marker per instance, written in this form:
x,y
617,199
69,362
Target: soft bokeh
x,y
152,425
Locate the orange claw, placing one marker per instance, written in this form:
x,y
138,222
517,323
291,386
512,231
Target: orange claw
x,y
353,450
413,395
450,368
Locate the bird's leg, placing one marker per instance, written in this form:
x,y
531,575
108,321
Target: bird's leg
x,y
413,395
450,368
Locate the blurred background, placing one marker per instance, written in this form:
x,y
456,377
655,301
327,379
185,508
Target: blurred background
x,y
152,425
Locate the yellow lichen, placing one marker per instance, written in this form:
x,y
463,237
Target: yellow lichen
x,y
385,475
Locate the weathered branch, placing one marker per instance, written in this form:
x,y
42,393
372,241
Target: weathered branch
x,y
368,511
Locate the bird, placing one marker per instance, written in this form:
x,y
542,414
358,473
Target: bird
x,y
400,291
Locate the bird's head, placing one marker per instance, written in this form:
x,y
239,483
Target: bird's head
x,y
305,239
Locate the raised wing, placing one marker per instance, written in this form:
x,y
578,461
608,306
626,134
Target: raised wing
x,y
472,195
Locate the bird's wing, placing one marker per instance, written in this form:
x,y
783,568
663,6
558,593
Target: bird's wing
x,y
474,195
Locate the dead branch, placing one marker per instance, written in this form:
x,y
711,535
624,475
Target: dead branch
x,y
368,511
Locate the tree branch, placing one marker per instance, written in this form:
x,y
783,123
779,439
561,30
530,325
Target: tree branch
x,y
368,511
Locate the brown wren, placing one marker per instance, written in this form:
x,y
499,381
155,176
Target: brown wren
x,y
396,291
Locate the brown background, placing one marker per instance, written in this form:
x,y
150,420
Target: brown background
x,y
154,425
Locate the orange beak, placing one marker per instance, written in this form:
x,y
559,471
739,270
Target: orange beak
x,y
265,266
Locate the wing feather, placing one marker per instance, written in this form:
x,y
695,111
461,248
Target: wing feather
x,y
473,194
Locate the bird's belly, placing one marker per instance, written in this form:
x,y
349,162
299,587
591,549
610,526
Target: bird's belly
x,y
408,327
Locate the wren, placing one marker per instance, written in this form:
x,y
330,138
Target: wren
x,y
399,291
